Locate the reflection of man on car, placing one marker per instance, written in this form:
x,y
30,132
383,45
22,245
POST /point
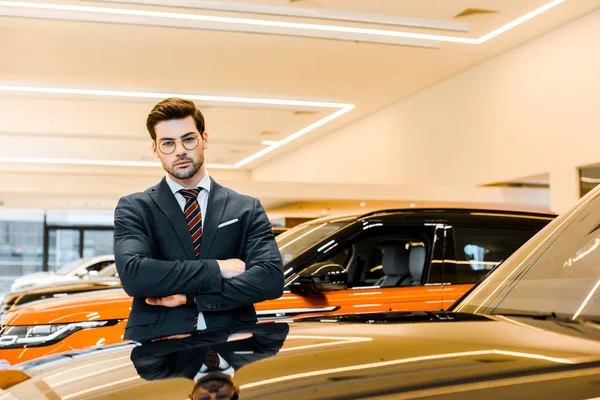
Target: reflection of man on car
x,y
210,359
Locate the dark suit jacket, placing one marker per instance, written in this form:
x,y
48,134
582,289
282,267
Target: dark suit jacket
x,y
155,258
183,358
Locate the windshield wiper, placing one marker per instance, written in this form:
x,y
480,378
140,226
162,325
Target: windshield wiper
x,y
563,320
550,316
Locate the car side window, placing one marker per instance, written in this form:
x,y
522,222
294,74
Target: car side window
x,y
99,266
393,259
479,250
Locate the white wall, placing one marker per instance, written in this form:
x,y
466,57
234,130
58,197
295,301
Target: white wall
x,y
531,110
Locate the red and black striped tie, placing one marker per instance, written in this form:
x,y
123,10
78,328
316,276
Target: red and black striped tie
x,y
193,216
211,359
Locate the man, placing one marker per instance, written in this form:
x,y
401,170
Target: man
x,y
210,360
192,253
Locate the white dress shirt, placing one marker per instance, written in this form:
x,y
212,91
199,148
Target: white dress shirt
x,y
202,196
203,203
224,368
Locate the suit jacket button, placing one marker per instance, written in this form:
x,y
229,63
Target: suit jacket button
x,y
208,306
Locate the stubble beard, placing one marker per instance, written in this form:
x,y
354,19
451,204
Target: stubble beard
x,y
188,172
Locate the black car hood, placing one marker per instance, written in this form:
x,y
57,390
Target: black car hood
x,y
476,358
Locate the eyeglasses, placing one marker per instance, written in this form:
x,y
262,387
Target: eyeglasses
x,y
189,143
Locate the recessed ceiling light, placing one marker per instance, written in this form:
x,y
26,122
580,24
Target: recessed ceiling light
x,y
269,133
469,12
302,113
363,204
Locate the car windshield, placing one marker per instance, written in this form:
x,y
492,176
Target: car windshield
x,y
70,267
551,274
294,242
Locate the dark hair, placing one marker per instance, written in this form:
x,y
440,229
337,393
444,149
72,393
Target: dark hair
x,y
174,108
235,396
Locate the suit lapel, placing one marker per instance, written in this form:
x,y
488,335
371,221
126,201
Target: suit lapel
x,y
165,200
217,200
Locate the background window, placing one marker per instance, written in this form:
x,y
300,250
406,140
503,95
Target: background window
x,y
71,235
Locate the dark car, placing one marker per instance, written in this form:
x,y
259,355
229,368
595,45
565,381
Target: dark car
x,y
529,330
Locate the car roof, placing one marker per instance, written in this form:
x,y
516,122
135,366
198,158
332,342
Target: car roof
x,y
429,211
459,211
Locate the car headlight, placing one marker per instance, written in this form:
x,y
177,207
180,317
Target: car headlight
x,y
43,335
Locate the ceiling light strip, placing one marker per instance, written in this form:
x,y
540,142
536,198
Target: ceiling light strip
x,y
294,136
211,22
343,109
519,21
158,95
302,12
105,163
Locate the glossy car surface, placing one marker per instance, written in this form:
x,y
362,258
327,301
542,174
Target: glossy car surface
x,y
401,260
69,273
529,330
361,357
277,230
105,279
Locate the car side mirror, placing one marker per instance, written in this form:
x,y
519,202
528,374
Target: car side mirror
x,y
321,277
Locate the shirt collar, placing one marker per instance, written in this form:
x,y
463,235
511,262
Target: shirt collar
x,y
205,184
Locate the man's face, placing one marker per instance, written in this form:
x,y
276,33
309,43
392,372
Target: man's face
x,y
213,387
182,163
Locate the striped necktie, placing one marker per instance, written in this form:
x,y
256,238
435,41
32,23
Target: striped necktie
x,y
211,359
193,216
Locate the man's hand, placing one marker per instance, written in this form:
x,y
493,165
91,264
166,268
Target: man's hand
x,y
239,336
175,300
231,268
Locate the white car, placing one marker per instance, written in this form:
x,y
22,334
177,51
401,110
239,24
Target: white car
x,y
79,269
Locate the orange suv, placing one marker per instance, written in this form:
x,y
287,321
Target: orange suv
x,y
414,260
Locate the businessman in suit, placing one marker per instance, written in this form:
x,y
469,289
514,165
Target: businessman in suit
x,y
192,253
210,360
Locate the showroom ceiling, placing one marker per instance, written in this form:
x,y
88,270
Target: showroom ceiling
x,y
54,53
77,78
